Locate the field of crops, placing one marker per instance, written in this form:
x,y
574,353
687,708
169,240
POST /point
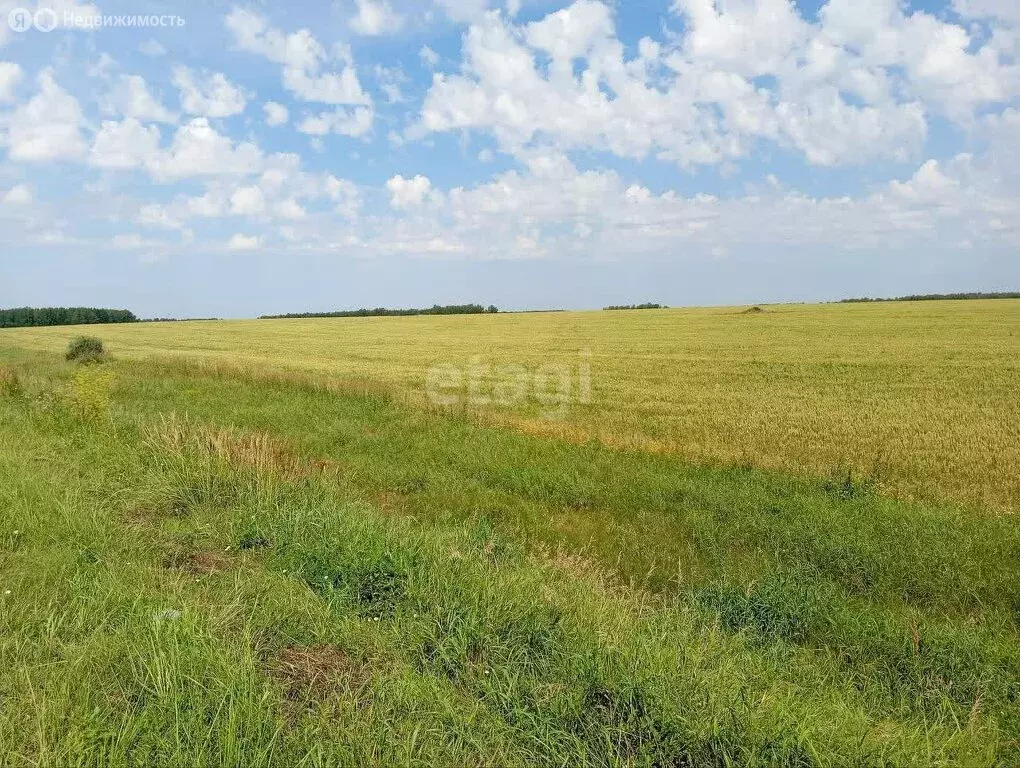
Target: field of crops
x,y
918,399
362,542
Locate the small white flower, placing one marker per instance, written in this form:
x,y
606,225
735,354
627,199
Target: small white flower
x,y
7,591
377,618
17,532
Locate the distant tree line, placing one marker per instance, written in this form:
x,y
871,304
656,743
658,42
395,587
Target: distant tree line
x,y
177,319
637,306
435,309
27,317
939,297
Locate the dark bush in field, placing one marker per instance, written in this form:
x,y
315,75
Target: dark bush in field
x,y
86,349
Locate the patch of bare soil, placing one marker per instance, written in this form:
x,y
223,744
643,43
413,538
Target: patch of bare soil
x,y
142,516
198,563
313,674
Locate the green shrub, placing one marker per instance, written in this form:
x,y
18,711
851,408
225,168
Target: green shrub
x,y
86,349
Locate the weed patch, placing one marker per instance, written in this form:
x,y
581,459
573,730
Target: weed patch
x,y
845,485
254,542
90,393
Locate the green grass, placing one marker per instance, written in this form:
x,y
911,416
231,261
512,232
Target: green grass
x,y
217,570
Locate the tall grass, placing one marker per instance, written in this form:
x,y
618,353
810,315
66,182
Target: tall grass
x,y
193,600
229,571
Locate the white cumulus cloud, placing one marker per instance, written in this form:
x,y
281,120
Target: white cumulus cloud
x,y
124,145
302,57
375,17
241,242
19,194
47,127
405,193
211,96
345,122
131,97
276,113
857,84
11,75
198,149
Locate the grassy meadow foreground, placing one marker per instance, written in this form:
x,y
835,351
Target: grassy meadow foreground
x,y
249,543
918,397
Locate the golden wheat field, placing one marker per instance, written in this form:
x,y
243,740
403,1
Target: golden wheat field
x,y
922,397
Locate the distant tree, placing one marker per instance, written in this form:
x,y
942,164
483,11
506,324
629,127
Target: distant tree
x,y
636,306
177,319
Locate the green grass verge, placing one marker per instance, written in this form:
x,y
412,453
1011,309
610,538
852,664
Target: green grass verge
x,y
369,583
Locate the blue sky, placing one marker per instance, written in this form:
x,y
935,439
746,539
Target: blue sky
x,y
232,160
